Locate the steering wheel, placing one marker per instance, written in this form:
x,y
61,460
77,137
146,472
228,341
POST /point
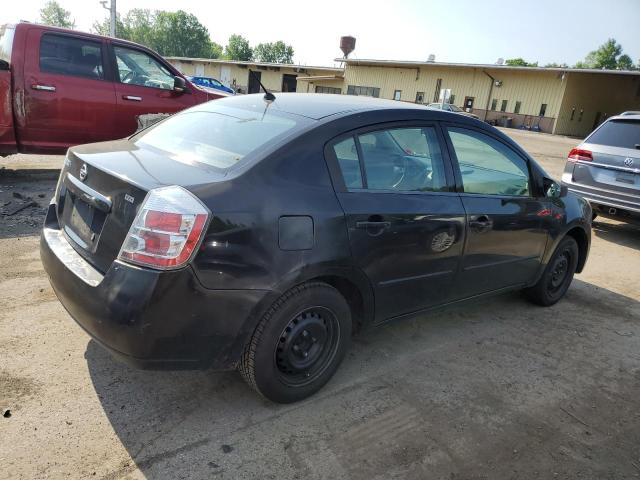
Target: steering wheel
x,y
128,77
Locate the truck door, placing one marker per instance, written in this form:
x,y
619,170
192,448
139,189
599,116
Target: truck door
x,y
68,97
144,84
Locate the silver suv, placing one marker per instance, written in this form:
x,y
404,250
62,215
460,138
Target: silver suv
x,y
605,168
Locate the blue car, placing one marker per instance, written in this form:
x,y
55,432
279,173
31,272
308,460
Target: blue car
x,y
209,82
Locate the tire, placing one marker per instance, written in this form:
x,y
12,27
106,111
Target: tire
x,y
557,276
298,344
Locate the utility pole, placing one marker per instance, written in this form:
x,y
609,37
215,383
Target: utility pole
x,y
112,16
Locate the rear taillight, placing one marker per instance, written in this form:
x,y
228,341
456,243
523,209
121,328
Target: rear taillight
x,y
580,154
167,229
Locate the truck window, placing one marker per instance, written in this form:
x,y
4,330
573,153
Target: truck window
x,y
138,68
76,57
6,42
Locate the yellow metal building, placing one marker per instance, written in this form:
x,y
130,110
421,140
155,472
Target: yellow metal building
x,y
563,101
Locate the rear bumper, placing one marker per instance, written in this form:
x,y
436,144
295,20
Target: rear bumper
x,y
628,203
151,319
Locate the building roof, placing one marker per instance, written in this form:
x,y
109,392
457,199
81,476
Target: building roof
x,y
262,64
416,64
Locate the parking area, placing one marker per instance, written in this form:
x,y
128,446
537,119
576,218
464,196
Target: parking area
x,y
487,390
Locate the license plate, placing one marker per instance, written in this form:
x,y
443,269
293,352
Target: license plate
x,y
628,178
80,219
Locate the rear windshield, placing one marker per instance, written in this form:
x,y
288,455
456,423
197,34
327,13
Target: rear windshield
x,y
617,133
6,42
218,136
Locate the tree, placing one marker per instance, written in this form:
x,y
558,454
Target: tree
x,y
556,65
238,49
56,16
519,62
277,52
216,50
607,56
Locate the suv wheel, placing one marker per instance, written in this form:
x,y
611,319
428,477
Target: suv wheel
x,y
557,277
298,344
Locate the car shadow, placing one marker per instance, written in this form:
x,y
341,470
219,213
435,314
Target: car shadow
x,y
470,364
624,234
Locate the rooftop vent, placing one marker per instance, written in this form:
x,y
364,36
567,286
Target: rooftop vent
x,y
432,58
500,61
347,45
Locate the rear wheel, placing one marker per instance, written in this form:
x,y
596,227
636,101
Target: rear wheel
x,y
557,276
298,344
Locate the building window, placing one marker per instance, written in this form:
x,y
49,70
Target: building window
x,y
494,104
543,109
364,91
503,107
334,90
517,108
436,94
420,97
573,113
397,94
452,99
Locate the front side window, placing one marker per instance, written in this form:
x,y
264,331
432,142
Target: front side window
x,y
487,166
399,159
71,56
139,68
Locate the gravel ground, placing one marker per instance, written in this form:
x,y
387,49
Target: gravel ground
x,y
498,389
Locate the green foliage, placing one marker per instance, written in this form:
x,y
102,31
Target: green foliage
x,y
56,16
607,56
172,34
238,49
519,62
277,52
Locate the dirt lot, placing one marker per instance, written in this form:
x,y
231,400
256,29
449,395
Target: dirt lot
x,y
490,390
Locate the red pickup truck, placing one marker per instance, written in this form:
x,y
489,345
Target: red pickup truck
x,y
60,88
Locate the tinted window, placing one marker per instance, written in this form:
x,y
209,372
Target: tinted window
x,y
617,133
487,166
6,42
404,159
138,68
219,136
71,56
347,156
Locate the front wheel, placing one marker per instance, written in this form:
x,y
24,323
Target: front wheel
x,y
298,344
557,276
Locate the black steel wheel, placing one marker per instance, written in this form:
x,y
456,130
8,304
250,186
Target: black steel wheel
x,y
298,344
557,276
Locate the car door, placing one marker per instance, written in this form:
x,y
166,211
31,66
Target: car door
x,y
68,95
405,223
144,84
505,237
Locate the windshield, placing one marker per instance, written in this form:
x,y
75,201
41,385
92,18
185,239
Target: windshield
x,y
6,42
219,136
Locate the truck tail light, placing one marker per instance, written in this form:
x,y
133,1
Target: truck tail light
x,y
580,154
167,229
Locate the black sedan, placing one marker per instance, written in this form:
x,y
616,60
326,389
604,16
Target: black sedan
x,y
260,235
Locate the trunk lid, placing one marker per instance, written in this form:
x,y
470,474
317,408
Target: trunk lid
x,y
103,185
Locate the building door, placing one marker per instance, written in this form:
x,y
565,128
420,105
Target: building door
x,y
468,103
225,76
254,81
199,70
289,83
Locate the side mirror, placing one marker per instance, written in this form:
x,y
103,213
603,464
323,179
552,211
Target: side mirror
x,y
179,84
553,189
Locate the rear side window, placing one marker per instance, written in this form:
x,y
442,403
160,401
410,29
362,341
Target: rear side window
x,y
71,56
488,167
617,133
6,42
399,159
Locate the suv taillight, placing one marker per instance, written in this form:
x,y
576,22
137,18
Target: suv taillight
x,y
580,154
167,229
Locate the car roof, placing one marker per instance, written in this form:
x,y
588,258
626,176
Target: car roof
x,y
625,116
320,105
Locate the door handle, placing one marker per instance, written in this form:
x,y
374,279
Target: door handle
x,y
133,98
481,223
373,224
46,88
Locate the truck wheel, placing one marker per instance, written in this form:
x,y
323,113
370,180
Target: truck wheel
x,y
557,276
298,344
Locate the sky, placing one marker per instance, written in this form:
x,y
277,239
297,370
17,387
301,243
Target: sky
x,y
464,31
